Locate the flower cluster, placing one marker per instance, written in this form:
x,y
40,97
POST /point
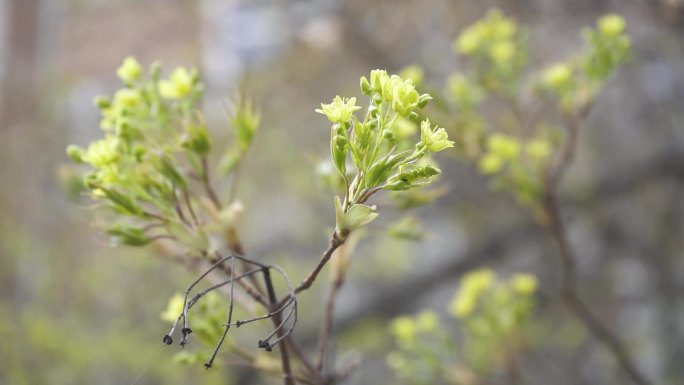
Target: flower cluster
x,y
383,153
519,148
576,81
154,143
419,357
497,44
492,313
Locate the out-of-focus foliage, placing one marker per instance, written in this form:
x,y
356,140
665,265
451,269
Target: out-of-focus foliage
x,y
518,152
490,313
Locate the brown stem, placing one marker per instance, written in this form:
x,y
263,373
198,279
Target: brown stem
x,y
335,242
573,301
327,324
288,378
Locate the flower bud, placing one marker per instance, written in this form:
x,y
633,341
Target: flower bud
x,y
366,86
75,153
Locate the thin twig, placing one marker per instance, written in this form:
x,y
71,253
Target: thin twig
x,y
288,379
576,305
327,324
554,224
335,242
207,183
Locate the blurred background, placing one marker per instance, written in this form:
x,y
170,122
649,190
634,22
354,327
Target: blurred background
x,y
76,311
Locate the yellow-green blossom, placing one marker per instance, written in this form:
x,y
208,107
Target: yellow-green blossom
x,y
178,86
507,147
126,97
129,71
538,149
473,285
558,76
434,139
427,321
502,52
490,164
611,24
102,152
525,284
340,110
404,328
404,96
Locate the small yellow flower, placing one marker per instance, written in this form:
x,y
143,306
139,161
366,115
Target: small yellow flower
x,y
538,149
502,52
404,328
178,86
468,41
436,139
558,76
490,164
340,110
127,97
102,152
525,284
129,70
611,24
504,146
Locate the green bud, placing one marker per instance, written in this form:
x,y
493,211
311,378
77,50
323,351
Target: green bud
x,y
410,176
196,139
423,100
102,102
338,150
75,153
366,86
246,122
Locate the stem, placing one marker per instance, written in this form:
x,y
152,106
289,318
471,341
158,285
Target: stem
x,y
207,184
575,304
288,378
335,242
327,324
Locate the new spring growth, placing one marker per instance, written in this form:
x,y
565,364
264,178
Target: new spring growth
x,y
129,71
245,120
495,39
179,85
383,153
140,167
